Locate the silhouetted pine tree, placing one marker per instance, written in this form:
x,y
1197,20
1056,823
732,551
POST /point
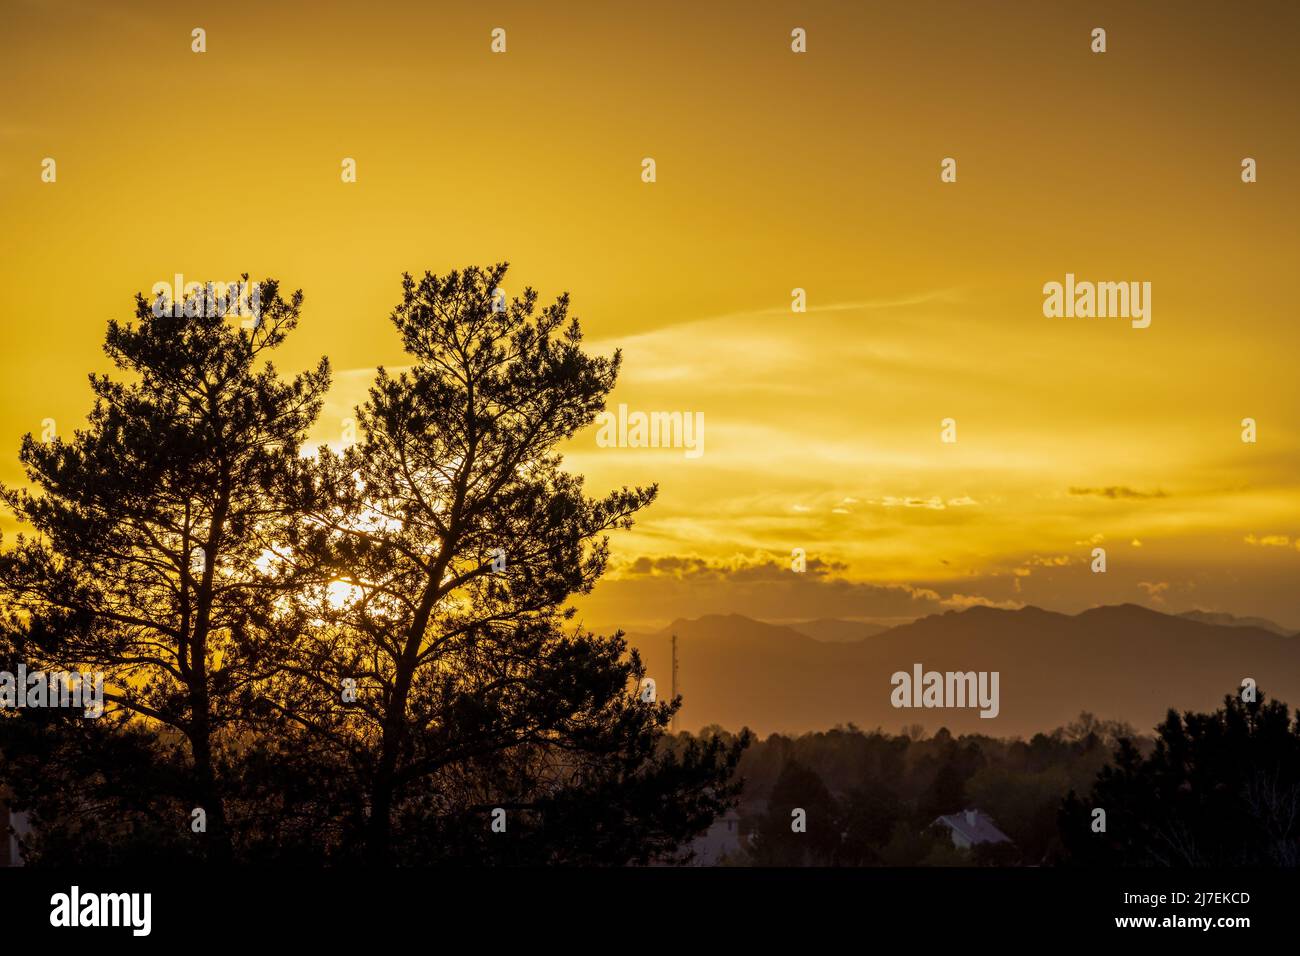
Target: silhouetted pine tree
x,y
450,540
152,524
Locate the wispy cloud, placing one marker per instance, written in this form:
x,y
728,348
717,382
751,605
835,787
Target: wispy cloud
x,y
1269,540
1118,491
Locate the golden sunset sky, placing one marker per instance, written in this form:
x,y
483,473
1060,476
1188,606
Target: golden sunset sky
x,y
775,170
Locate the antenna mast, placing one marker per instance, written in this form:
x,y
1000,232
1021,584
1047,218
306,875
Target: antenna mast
x,y
674,722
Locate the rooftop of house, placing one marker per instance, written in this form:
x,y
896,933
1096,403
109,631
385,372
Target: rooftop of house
x,y
975,826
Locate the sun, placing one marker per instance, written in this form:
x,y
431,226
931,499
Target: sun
x,y
340,594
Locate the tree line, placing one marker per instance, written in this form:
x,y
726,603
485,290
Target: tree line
x,y
1219,789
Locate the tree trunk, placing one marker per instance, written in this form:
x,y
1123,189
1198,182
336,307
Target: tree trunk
x,y
217,837
379,832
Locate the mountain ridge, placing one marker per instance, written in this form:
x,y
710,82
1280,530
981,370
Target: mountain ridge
x,y
1124,662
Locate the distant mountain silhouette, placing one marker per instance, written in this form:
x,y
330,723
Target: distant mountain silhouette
x,y
836,630
1231,620
1125,662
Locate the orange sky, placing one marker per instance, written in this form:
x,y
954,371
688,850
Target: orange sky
x,y
774,171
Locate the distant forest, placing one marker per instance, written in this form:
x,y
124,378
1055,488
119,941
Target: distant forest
x,y
1211,789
